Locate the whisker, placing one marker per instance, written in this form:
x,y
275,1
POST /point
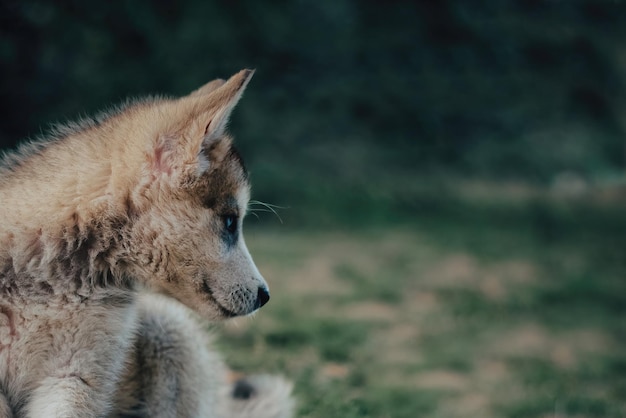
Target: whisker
x,y
268,205
269,208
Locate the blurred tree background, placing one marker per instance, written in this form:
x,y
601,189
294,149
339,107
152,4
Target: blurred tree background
x,y
357,106
453,177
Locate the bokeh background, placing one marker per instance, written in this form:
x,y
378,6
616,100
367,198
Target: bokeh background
x,y
449,177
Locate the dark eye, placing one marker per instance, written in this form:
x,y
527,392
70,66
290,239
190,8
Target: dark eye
x,y
230,223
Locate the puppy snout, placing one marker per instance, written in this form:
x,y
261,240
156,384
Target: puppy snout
x,y
263,295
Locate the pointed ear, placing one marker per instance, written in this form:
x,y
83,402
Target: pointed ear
x,y
218,105
195,133
208,87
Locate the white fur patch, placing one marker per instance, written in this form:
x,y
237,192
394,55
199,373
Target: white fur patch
x,y
203,164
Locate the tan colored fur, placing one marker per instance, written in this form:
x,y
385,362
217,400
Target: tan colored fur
x,y
139,198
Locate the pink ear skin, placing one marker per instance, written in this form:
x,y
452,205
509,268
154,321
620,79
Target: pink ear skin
x,y
160,163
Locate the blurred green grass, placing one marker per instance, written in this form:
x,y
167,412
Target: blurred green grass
x,y
453,314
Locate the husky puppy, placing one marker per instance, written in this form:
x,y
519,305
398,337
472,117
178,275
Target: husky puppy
x,y
112,231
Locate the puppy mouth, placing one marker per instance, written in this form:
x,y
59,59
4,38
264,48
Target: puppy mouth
x,y
227,313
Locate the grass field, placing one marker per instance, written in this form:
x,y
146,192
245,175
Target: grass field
x,y
443,317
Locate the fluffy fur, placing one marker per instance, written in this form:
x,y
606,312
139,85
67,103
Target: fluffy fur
x,y
97,220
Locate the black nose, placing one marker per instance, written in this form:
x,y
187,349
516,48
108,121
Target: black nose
x,y
262,297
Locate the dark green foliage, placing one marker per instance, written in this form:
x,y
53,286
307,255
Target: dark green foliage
x,y
353,100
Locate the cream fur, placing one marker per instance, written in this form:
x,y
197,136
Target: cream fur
x,y
136,198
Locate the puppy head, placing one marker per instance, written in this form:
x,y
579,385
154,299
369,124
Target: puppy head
x,y
189,204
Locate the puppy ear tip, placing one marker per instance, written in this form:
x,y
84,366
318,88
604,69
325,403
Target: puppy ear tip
x,y
246,75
